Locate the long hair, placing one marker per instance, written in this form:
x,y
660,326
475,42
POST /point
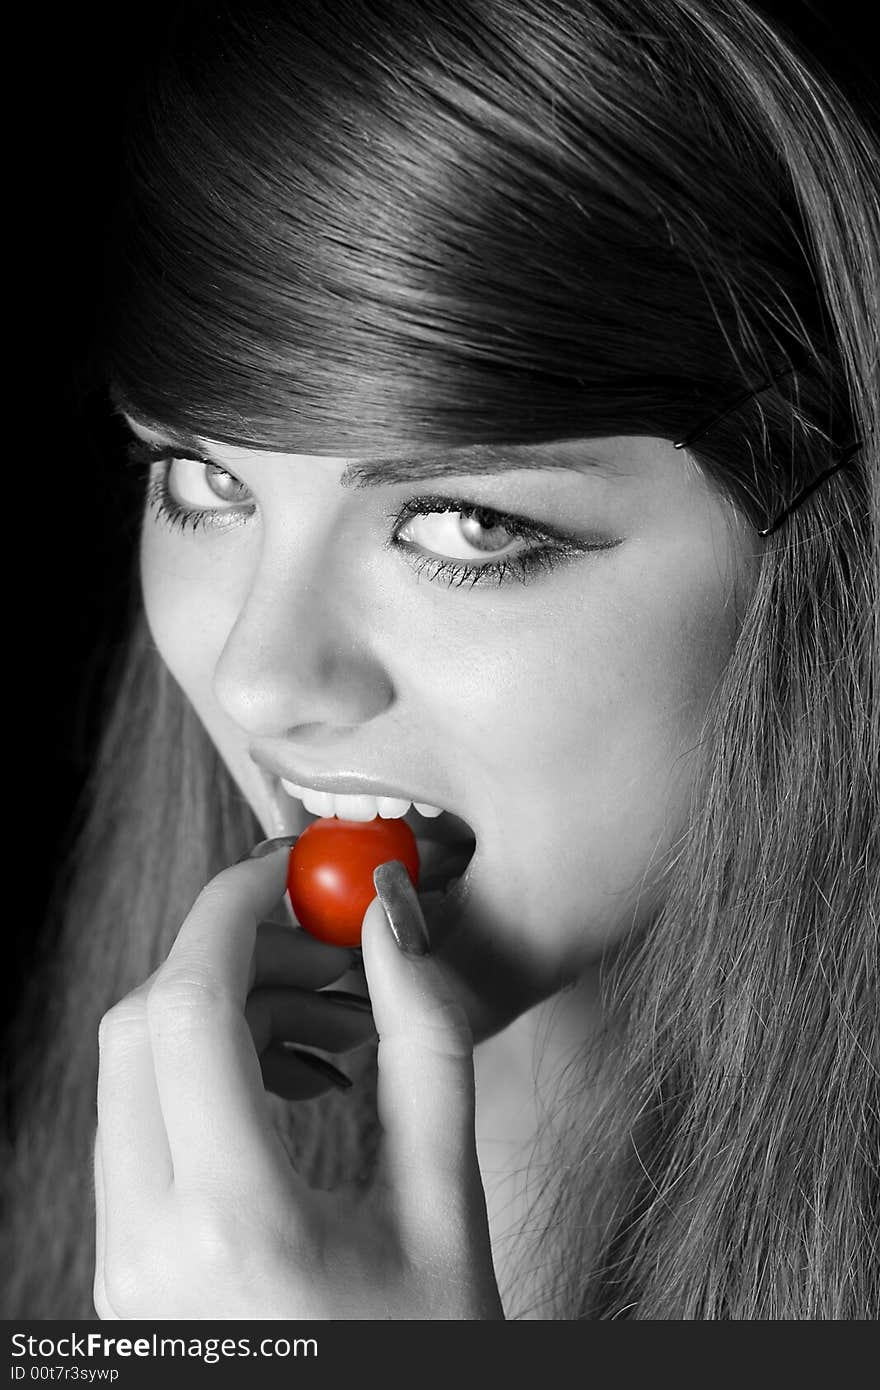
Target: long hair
x,y
387,225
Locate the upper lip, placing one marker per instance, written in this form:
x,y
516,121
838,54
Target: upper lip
x,y
343,783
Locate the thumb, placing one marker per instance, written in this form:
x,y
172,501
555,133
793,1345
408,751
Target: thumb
x,y
426,1068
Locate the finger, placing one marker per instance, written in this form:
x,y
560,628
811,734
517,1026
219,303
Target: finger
x,y
426,1073
135,1157
287,955
333,1021
216,1113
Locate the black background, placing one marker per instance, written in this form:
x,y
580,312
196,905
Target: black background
x,y
71,511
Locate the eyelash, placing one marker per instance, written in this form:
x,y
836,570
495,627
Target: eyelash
x,y
182,518
550,549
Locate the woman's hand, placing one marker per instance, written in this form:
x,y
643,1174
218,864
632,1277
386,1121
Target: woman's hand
x,y
199,1213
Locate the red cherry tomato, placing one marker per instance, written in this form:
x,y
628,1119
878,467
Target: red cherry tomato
x,y
330,873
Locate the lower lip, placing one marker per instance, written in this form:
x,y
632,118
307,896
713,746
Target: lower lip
x,y
441,906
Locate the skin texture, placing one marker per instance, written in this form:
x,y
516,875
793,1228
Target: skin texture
x,y
559,717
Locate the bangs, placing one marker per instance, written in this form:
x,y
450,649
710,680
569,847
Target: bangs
x,y
385,243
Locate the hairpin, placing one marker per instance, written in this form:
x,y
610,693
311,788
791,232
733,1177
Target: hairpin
x,y
734,405
811,487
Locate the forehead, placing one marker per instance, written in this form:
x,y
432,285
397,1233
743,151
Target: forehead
x,y
610,455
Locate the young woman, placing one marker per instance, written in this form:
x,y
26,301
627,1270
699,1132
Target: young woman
x,y
506,378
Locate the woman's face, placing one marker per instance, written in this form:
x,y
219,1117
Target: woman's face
x,y
554,705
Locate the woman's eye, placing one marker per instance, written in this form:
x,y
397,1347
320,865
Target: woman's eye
x,y
472,533
197,485
457,542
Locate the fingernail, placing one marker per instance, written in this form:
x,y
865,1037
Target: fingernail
x,y
269,847
346,1000
319,1065
402,908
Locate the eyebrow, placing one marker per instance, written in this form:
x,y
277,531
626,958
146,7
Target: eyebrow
x,y
480,460
476,459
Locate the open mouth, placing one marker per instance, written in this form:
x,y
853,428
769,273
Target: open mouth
x,y
446,843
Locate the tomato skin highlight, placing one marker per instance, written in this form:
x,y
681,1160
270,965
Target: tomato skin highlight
x,y
330,873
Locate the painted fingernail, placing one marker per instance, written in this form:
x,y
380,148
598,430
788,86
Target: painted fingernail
x,y
318,1064
269,847
344,999
398,897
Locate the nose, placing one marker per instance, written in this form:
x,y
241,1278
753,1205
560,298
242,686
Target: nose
x,y
298,662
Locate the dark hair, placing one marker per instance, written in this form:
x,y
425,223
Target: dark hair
x,y
378,226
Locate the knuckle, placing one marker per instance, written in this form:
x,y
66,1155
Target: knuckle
x,y
443,1028
441,1032
218,1242
122,1023
214,892
179,996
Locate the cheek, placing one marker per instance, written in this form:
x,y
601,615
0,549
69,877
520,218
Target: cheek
x,y
189,615
555,698
584,730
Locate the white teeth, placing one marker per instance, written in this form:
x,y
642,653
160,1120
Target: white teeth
x,y
357,808
319,803
354,807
